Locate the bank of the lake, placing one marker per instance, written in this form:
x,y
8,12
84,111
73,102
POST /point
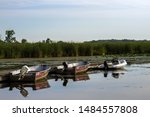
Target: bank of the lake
x,y
58,60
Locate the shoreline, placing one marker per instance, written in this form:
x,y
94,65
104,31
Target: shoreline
x,y
58,60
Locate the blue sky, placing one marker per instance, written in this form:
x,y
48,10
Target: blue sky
x,y
75,20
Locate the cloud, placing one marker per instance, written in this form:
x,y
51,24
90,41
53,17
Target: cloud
x,y
75,8
13,4
19,4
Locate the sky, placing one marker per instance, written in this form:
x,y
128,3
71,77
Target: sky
x,y
75,20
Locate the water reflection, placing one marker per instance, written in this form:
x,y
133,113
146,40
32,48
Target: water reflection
x,y
22,87
107,73
115,74
132,83
65,78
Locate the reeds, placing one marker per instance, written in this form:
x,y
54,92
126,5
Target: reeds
x,y
72,49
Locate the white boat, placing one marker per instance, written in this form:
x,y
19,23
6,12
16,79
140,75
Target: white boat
x,y
114,64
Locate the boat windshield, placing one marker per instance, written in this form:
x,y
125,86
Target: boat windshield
x,y
115,61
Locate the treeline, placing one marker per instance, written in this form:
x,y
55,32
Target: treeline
x,y
71,49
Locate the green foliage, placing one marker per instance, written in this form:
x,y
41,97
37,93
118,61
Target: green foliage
x,y
9,36
23,41
63,49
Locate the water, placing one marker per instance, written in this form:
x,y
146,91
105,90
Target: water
x,y
132,83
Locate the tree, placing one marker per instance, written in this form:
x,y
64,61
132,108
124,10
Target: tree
x,y
43,41
1,38
23,41
48,40
9,36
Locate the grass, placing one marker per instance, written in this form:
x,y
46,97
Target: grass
x,y
59,60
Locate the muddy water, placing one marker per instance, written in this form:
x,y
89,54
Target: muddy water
x,y
132,83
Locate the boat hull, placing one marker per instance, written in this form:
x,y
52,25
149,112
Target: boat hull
x,y
81,69
73,68
4,78
31,76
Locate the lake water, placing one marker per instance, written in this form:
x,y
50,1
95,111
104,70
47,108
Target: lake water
x,y
132,83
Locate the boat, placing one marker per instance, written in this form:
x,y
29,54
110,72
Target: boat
x,y
109,65
3,85
29,74
72,68
4,78
113,64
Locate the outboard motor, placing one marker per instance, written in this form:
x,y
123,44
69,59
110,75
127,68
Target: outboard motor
x,y
105,65
25,69
65,65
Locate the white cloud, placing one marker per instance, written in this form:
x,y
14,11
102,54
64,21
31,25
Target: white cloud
x,y
104,9
6,4
76,18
